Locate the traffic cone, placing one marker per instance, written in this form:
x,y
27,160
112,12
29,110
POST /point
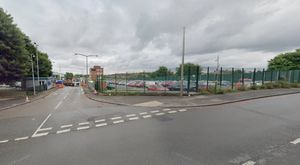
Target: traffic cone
x,y
27,99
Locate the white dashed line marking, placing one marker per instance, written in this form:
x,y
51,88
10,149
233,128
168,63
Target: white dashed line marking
x,y
172,111
115,118
40,134
66,126
101,125
154,111
143,113
84,123
249,163
45,129
56,107
118,121
167,109
4,141
130,115
295,141
63,131
82,128
98,121
34,134
134,118
21,138
182,110
147,116
158,114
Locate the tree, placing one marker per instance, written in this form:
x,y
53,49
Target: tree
x,y
13,54
69,76
162,71
286,61
185,69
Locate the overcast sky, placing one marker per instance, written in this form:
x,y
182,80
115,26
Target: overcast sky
x,y
140,35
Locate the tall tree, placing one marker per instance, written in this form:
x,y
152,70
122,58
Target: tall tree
x,y
13,54
193,68
286,61
161,72
69,76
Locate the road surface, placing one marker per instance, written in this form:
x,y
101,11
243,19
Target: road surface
x,y
68,128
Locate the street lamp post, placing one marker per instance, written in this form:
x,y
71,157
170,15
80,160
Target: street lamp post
x,y
86,61
37,63
182,63
32,70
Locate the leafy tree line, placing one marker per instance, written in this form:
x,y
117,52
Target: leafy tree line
x,y
163,71
285,61
15,53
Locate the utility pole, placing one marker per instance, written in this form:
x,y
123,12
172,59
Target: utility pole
x,y
32,71
182,62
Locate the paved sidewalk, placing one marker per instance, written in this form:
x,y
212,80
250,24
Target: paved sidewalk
x,y
10,103
190,101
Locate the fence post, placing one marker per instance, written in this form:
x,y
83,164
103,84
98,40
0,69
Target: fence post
x,y
298,76
263,77
165,89
126,81
116,83
243,76
278,73
271,76
144,84
232,78
254,77
189,80
207,77
221,77
197,78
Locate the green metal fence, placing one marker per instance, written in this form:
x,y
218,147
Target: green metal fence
x,y
204,79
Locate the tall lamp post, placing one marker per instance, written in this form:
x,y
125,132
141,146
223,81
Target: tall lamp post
x,y
182,63
32,71
86,62
37,63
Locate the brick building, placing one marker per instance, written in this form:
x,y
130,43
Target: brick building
x,y
96,70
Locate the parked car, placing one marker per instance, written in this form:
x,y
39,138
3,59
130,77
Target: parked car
x,y
157,88
247,83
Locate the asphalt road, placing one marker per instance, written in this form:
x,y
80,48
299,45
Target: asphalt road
x,y
67,128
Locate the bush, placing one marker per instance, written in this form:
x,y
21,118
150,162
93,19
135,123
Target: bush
x,y
228,90
220,91
242,88
253,87
294,85
284,84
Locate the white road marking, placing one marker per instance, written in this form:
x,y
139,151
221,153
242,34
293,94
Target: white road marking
x,y
63,131
56,107
249,163
158,114
4,141
98,121
21,138
40,134
147,116
134,118
182,110
38,129
45,129
172,111
154,111
101,125
84,123
115,118
66,126
118,121
81,128
143,113
295,141
130,115
167,109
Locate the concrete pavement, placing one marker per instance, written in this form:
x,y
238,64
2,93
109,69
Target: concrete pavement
x,y
264,131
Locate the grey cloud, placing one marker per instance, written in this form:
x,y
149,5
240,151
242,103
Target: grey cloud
x,y
134,35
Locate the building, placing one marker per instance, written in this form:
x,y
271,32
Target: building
x,y
45,83
95,71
